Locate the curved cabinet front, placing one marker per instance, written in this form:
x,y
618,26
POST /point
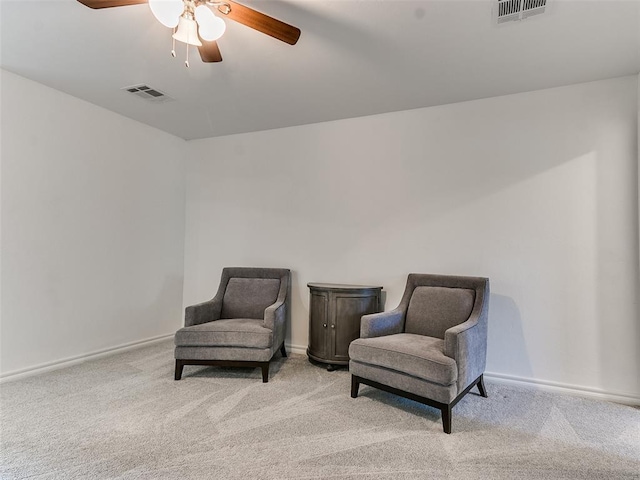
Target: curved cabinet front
x,y
334,318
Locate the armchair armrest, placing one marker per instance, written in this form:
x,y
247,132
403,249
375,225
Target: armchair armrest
x,y
451,335
275,314
203,312
380,324
466,343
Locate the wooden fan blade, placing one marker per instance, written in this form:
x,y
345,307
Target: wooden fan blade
x,y
110,3
209,52
261,22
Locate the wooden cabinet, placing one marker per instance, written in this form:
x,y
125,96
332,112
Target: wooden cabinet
x,y
334,319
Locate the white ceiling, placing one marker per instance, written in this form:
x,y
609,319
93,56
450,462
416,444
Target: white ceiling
x,y
354,58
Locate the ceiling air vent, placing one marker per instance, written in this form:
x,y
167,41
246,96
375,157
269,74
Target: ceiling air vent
x,y
510,10
148,93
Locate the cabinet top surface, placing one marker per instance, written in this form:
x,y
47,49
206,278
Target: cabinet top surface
x,y
339,286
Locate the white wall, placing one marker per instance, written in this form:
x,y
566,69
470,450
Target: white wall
x,y
537,191
92,227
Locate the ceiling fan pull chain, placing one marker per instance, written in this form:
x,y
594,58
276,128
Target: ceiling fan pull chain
x,y
173,43
186,62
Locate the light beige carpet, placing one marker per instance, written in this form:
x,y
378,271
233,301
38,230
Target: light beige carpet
x,y
125,417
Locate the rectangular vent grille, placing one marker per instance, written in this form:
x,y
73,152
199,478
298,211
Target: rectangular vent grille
x,y
148,93
510,10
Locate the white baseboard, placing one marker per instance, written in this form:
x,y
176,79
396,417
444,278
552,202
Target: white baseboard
x,y
624,398
557,387
66,362
299,349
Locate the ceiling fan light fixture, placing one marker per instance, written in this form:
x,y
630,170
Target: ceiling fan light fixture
x,y
167,12
210,27
180,17
187,32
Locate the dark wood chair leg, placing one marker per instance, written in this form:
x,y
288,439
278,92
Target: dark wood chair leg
x,y
283,351
355,385
481,389
265,372
446,418
179,367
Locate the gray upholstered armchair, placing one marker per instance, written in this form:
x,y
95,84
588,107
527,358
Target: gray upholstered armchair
x,y
432,348
242,326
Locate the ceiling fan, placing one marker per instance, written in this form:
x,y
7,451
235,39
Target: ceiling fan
x,y
195,24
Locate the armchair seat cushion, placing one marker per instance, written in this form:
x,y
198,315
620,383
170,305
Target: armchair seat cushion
x,y
235,332
416,355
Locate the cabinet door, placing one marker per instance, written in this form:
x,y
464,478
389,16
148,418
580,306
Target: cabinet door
x,y
348,311
318,311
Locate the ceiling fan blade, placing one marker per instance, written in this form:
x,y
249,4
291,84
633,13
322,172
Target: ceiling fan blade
x,y
261,22
209,52
110,3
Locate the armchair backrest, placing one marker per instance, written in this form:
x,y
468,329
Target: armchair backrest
x,y
247,292
433,310
435,303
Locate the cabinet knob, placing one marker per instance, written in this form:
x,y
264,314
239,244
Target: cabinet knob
x,y
324,325
333,326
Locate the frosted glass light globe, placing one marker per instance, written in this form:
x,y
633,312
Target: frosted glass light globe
x,y
167,12
187,32
210,27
